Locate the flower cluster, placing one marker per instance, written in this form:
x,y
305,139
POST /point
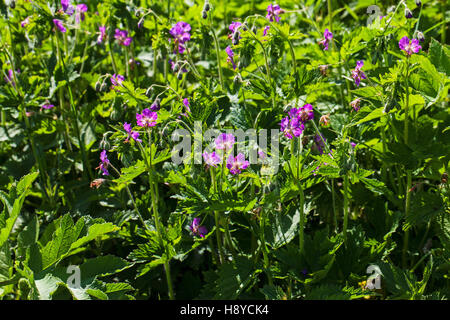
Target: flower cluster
x,y
357,73
409,46
180,33
327,36
293,125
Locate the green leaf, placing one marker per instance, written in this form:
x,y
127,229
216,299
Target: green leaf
x,y
439,56
22,190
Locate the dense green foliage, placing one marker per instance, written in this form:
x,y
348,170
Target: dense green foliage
x,y
373,191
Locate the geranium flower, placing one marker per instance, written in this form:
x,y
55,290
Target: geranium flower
x,y
147,118
81,9
355,104
327,36
116,80
197,229
357,73
230,54
292,127
236,164
122,37
409,46
131,133
273,12
211,159
104,163
225,141
102,35
67,7
180,33
59,25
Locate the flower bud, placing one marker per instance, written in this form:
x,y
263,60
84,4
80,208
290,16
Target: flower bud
x,y
408,13
418,3
323,70
204,14
324,120
206,7
103,87
156,105
12,4
149,92
97,86
420,36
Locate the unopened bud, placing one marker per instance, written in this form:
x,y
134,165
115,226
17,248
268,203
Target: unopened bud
x,y
418,3
149,92
204,14
206,7
408,13
324,120
323,70
420,36
97,86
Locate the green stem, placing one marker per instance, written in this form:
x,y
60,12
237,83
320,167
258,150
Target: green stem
x,y
264,247
344,228
216,43
408,172
216,220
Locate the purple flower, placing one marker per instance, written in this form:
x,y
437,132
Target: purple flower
x,y
104,163
59,25
266,28
273,12
147,118
225,141
102,35
233,27
353,145
327,36
358,74
306,113
211,159
25,22
116,80
230,59
236,164
292,127
122,37
131,133
81,9
198,230
47,106
355,104
180,33
67,7
156,105
409,46
186,104
175,66
10,77
319,143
